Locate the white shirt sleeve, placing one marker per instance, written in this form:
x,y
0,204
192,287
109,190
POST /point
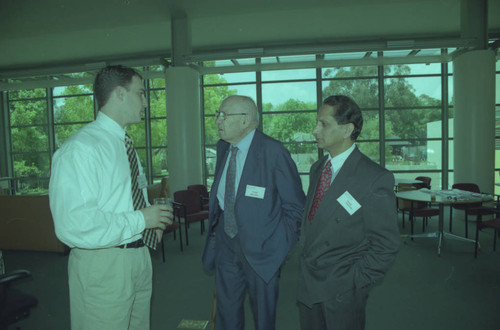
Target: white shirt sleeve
x,y
90,210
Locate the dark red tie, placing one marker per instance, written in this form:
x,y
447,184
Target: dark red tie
x,y
323,185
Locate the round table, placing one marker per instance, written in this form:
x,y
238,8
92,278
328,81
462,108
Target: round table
x,y
442,199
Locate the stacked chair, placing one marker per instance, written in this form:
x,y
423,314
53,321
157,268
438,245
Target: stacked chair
x,y
190,208
203,192
415,209
477,209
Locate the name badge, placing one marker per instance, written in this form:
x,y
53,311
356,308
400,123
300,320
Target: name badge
x,y
255,191
349,203
141,181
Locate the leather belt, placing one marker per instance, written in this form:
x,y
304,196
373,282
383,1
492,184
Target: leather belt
x,y
136,244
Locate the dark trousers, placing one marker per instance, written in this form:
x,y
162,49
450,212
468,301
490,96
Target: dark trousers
x,y
233,277
344,312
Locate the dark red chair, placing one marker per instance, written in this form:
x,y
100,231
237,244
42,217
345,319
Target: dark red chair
x,y
477,209
415,209
172,228
203,192
191,211
426,182
494,224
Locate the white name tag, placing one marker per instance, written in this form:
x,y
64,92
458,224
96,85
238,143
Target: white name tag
x,y
348,203
141,181
255,191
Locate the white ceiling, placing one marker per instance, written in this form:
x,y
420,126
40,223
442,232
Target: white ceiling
x,y
38,33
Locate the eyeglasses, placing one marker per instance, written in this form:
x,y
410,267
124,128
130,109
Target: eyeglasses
x,y
223,116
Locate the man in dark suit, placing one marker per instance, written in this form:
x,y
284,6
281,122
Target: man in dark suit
x,y
349,231
256,205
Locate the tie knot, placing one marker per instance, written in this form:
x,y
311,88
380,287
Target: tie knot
x,y
234,150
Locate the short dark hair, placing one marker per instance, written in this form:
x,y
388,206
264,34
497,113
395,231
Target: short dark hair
x,y
346,111
109,78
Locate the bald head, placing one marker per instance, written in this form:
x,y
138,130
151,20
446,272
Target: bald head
x,y
244,104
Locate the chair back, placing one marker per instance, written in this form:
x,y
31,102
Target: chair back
x,y
190,198
426,182
472,187
201,189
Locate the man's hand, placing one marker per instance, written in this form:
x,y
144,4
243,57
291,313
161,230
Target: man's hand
x,y
157,216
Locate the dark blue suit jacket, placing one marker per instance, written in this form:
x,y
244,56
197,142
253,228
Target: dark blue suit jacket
x,y
269,227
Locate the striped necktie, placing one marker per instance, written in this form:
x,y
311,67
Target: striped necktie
x,y
149,235
230,226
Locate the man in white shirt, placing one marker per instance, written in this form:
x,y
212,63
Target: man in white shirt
x,y
97,214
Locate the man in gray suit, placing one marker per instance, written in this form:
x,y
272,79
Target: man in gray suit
x,y
256,205
349,230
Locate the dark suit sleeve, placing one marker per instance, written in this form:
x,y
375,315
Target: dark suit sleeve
x,y
291,194
381,230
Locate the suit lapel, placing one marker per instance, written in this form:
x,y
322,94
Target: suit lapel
x,y
341,183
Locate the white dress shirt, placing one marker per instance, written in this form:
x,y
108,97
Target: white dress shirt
x,y
90,188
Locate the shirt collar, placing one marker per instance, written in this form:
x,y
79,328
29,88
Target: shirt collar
x,y
110,125
245,143
339,160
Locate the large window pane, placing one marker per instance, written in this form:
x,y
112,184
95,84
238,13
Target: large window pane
x,y
413,123
370,129
413,155
288,74
413,69
31,164
157,103
363,91
72,90
27,94
211,135
158,132
73,109
350,72
289,96
292,127
159,162
30,112
33,138
412,92
231,78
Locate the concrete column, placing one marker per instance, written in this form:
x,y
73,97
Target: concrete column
x,y
184,127
474,123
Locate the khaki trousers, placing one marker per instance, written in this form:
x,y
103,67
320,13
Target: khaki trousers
x,y
110,288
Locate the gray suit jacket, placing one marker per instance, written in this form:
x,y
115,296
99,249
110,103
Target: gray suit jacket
x,y
342,252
